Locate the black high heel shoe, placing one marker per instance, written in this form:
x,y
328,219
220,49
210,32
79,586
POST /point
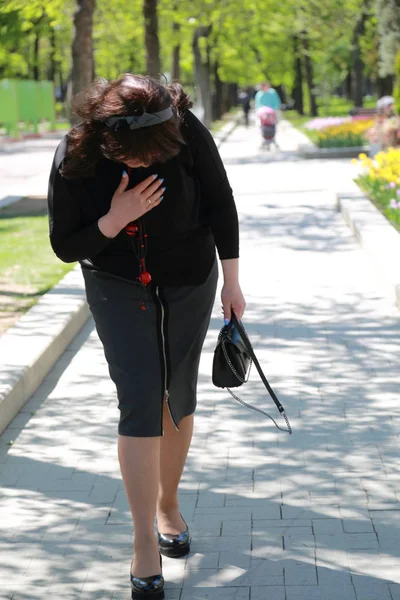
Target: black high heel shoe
x,y
175,546
143,588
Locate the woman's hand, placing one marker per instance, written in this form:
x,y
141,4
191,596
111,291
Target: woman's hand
x,y
231,295
129,205
232,299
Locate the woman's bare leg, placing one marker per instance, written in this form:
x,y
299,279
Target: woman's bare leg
x,y
139,459
174,449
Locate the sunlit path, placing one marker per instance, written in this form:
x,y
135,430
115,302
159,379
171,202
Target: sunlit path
x,y
313,516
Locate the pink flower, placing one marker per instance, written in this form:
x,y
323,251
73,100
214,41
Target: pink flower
x,y
393,203
392,184
398,192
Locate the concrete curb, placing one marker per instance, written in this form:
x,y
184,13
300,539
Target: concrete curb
x,y
375,234
312,151
29,349
227,129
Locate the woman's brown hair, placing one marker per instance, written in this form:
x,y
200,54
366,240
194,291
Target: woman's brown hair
x,y
91,140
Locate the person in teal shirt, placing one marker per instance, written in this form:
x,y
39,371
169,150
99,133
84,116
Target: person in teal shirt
x,y
267,96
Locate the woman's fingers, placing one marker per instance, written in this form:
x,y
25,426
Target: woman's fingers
x,y
153,189
157,195
143,185
151,205
123,183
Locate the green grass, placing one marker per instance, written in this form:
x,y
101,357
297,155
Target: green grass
x,y
378,193
340,107
63,125
28,266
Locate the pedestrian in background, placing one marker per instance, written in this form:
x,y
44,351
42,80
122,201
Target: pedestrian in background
x,y
245,98
268,96
139,196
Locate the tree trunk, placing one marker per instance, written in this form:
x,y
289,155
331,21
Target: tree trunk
x,y
218,93
36,47
308,68
348,85
202,73
225,100
176,54
297,93
82,46
358,64
384,86
51,74
233,94
152,43
358,68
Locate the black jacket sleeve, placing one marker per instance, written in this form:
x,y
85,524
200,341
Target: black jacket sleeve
x,y
71,237
216,193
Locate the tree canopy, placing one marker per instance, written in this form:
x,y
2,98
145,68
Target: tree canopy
x,y
241,41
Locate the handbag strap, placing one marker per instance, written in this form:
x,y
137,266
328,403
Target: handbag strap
x,y
249,348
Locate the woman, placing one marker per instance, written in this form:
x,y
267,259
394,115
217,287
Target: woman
x,y
139,196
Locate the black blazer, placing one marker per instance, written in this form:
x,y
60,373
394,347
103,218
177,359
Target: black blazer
x,y
197,213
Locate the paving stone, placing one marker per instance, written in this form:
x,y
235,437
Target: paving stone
x,y
327,526
219,544
210,499
205,560
209,593
337,578
268,511
357,526
395,590
207,529
387,532
231,558
99,595
236,527
201,578
269,592
368,589
374,564
224,513
319,593
261,572
174,572
261,528
300,513
389,546
350,541
298,573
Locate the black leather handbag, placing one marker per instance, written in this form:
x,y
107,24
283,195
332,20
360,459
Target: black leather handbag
x,y
233,357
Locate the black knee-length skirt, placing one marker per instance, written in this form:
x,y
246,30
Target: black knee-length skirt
x,y
153,355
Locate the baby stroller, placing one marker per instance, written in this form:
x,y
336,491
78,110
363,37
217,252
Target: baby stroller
x,y
268,119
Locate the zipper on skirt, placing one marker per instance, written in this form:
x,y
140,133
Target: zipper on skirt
x,y
164,353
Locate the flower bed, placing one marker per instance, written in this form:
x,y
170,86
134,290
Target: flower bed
x,y
345,134
381,182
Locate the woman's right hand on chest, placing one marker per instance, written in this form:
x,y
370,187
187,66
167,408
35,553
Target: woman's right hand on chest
x,y
129,205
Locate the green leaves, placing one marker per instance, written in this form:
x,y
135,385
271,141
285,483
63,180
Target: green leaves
x,y
250,40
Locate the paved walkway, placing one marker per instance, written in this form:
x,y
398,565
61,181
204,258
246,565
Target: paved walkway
x,y
25,167
314,516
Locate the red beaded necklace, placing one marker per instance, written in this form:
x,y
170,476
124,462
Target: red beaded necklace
x,y
137,231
